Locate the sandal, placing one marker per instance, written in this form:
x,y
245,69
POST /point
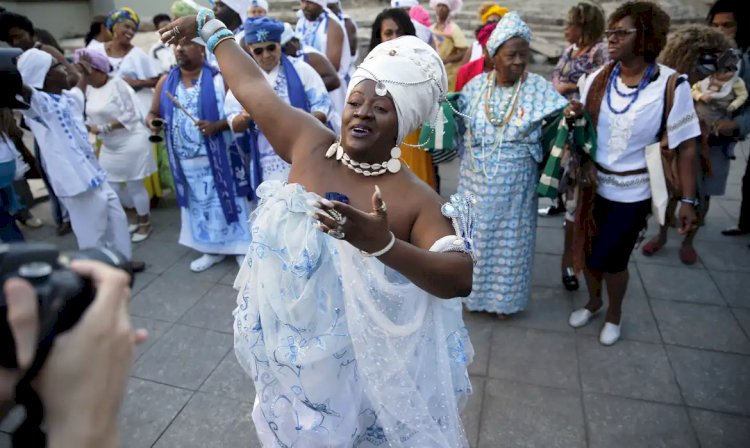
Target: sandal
x,y
569,280
652,247
688,255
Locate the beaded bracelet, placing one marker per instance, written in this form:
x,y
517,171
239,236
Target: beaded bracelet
x,y
204,14
217,38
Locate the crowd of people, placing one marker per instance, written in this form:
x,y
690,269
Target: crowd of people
x,y
315,167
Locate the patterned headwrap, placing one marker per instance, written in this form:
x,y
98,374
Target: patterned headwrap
x,y
453,5
263,29
494,10
403,3
508,27
121,14
182,8
260,4
98,60
483,36
412,73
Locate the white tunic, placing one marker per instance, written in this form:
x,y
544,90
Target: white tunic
x,y
622,138
136,65
126,153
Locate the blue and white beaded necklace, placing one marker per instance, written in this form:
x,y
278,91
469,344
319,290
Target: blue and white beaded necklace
x,y
612,82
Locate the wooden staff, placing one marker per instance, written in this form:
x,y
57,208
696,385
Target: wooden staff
x,y
182,108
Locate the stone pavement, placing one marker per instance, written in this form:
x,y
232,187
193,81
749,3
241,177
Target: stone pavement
x,y
680,376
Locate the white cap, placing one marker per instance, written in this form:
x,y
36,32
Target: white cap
x,y
403,3
34,65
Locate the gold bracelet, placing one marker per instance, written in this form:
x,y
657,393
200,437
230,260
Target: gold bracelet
x,y
222,40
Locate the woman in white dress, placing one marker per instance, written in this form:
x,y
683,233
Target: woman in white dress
x,y
113,116
347,318
136,68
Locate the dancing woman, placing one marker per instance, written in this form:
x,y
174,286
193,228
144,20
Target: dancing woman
x,y
338,319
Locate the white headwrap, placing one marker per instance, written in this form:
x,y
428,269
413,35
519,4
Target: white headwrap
x,y
238,6
412,72
453,5
403,3
323,3
34,65
288,34
259,3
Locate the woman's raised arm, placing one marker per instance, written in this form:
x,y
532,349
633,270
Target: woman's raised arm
x,y
287,129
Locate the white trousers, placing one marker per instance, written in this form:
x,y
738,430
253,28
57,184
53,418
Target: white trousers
x,y
98,220
133,194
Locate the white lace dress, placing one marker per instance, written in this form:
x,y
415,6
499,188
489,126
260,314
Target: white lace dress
x,y
343,351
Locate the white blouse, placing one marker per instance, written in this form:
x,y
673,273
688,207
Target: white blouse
x,y
622,138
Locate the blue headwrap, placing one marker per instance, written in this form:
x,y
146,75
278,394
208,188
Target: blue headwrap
x,y
263,29
118,15
508,27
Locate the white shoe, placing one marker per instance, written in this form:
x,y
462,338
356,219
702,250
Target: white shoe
x,y
132,228
240,259
610,334
581,317
205,261
138,237
33,222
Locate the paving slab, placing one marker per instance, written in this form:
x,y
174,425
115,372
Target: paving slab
x,y
680,283
169,297
230,380
734,287
717,430
213,310
615,422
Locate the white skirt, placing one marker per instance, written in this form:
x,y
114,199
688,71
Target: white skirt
x,y
127,155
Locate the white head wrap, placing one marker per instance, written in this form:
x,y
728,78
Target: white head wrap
x,y
34,65
323,3
288,34
238,6
412,72
259,3
403,3
453,5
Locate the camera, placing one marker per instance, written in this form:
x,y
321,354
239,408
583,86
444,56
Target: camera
x,y
10,79
62,294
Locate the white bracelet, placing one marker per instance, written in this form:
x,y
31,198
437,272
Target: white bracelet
x,y
382,251
210,28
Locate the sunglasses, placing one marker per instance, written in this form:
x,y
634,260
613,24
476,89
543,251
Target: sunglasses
x,y
619,33
271,48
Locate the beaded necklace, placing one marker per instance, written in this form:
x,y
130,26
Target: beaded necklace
x,y
633,95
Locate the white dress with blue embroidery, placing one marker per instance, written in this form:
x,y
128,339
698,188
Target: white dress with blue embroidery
x,y
343,351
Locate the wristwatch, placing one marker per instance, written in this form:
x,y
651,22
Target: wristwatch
x,y
691,201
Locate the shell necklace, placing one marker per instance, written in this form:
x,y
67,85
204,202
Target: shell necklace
x,y
392,165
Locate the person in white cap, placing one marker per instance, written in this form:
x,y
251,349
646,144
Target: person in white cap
x,y
322,30
350,25
257,8
55,116
292,46
423,32
346,319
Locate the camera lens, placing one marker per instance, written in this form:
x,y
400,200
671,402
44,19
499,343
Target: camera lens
x,y
35,270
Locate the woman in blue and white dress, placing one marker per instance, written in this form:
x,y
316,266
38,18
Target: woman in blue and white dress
x,y
346,316
502,151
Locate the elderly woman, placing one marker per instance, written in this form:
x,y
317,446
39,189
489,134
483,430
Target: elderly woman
x,y
113,116
338,319
293,81
452,44
586,53
136,68
502,148
626,99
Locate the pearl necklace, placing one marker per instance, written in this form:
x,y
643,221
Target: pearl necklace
x,y
393,165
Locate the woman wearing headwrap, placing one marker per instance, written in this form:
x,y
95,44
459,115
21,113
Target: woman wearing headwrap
x,y
502,149
113,116
452,44
488,13
472,69
137,69
338,320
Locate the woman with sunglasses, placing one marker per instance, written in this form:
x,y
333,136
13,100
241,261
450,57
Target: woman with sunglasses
x,y
626,99
293,80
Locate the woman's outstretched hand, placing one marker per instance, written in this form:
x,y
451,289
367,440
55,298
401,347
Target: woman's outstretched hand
x,y
365,231
182,30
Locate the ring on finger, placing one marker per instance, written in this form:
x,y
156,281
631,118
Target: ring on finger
x,y
176,31
336,233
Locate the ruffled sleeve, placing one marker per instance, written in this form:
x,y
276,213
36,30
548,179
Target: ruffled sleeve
x,y
137,65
